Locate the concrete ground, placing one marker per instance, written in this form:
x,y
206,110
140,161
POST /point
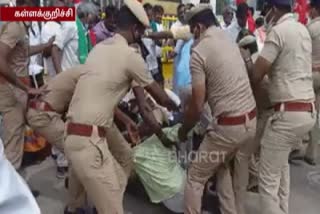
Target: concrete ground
x,y
305,191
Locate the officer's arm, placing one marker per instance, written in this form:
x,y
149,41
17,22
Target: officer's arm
x,y
139,73
258,70
146,111
182,32
268,55
56,55
161,96
36,49
5,71
316,68
196,103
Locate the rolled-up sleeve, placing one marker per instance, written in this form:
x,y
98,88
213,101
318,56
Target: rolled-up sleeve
x,y
272,47
11,34
182,32
197,69
68,32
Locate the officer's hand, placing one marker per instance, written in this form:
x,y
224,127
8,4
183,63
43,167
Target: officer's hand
x,y
166,141
133,132
182,135
51,40
37,91
245,53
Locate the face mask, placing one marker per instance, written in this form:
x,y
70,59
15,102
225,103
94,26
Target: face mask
x,y
268,25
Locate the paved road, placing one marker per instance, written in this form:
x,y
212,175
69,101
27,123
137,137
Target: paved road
x,y
305,192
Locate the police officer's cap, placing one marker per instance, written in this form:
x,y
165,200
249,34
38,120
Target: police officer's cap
x,y
137,9
197,10
280,2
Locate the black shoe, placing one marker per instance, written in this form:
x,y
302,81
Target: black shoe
x,y
310,161
35,193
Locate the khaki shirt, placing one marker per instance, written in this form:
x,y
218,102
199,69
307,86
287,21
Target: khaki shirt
x,y
61,88
288,48
14,34
217,63
314,30
112,66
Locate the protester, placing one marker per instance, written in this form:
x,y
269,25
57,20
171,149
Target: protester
x,y
227,15
15,196
106,28
240,23
72,46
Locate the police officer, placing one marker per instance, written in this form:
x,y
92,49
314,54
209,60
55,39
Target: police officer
x,y
286,58
112,65
14,84
220,78
45,113
314,30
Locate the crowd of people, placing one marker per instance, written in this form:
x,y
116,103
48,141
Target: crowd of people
x,y
245,94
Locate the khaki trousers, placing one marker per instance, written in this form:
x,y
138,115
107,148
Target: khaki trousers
x,y
314,134
262,120
280,136
220,145
49,125
12,109
103,174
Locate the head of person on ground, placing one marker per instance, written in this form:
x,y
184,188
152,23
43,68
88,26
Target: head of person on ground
x,y
247,41
259,22
200,18
181,9
87,12
242,14
149,10
227,15
314,11
132,21
158,13
111,13
275,9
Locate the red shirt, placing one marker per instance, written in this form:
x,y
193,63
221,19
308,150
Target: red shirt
x,y
301,9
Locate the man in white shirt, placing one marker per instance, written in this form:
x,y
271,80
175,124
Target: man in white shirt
x,y
240,23
15,196
36,63
227,17
67,40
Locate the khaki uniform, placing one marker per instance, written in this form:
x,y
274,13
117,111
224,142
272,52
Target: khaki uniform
x,y
288,41
314,30
49,124
112,66
228,94
12,99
